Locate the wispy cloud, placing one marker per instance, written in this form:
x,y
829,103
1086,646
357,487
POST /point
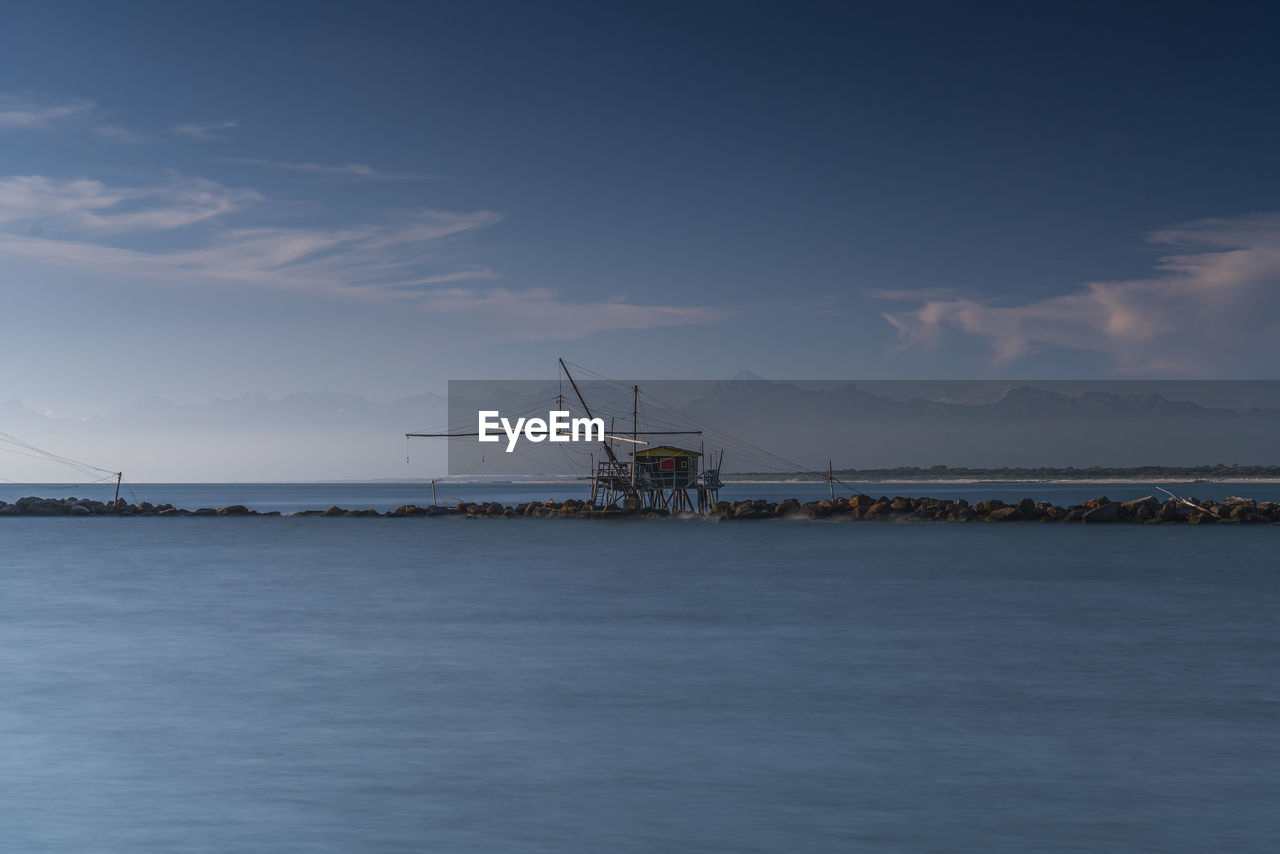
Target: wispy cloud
x,y
543,314
336,170
82,207
118,133
26,114
1209,309
205,131
445,278
408,259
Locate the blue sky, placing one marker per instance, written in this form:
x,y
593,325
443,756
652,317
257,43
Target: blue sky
x,y
208,200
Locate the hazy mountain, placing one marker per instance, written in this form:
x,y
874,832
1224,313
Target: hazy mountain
x,y
304,436
1027,425
333,435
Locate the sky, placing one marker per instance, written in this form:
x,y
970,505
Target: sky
x,y
203,201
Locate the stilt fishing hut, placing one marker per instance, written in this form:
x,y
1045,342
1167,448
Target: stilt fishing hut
x,y
666,475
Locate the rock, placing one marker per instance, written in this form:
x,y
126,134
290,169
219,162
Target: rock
x,y
334,510
1025,504
233,510
789,507
814,509
879,510
1005,514
1108,512
1246,513
982,508
1148,501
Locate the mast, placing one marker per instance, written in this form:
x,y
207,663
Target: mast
x,y
628,487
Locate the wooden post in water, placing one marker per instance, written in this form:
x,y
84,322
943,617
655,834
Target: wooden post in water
x,y
831,483
119,475
433,492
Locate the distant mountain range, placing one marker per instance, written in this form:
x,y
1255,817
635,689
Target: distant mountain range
x,y
306,436
1027,426
863,425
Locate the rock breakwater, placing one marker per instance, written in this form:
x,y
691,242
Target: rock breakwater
x,y
859,508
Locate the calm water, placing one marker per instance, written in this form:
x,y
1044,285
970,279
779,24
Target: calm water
x,y
453,685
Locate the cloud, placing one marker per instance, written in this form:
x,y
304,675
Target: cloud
x,y
24,114
75,223
1210,309
205,131
339,170
18,113
116,133
445,278
83,206
541,314
91,226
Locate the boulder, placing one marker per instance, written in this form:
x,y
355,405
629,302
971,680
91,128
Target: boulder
x,y
1005,514
879,510
789,507
1108,512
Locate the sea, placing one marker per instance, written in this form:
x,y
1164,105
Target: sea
x,y
262,684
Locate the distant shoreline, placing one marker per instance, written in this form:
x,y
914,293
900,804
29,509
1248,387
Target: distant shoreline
x,y
728,480
1048,481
